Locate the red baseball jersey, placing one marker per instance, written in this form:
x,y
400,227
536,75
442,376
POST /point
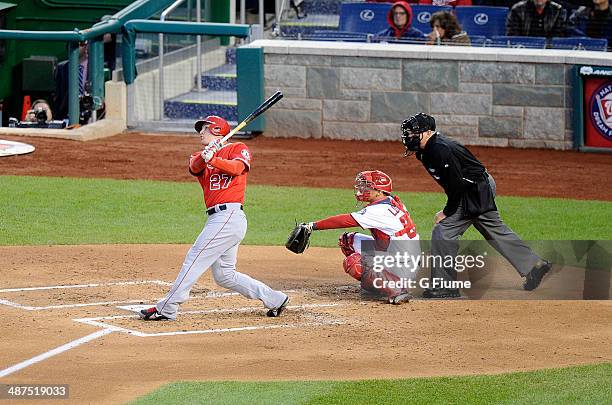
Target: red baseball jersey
x,y
220,187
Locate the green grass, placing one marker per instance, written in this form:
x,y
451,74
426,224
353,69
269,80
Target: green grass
x,y
52,210
573,385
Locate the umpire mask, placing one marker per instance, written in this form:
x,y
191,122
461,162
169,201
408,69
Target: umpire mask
x,y
413,129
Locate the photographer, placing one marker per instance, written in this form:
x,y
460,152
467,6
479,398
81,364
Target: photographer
x,y
39,116
40,113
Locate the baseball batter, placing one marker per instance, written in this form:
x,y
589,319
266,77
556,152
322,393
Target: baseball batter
x,y
222,173
388,220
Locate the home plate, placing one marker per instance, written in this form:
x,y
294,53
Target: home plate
x,y
10,148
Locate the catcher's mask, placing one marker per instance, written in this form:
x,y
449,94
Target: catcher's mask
x,y
413,129
371,180
217,125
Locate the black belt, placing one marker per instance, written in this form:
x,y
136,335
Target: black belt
x,y
221,207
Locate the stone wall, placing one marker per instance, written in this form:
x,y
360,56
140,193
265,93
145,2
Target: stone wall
x,y
481,96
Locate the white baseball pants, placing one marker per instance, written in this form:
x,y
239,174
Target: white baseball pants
x,y
217,247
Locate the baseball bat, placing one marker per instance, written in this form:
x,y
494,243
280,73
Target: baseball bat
x,y
258,111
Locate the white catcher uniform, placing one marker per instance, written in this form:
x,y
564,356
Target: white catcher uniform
x,y
223,182
389,221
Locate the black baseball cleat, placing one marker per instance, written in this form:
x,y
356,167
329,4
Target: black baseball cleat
x,y
535,276
274,312
438,293
151,314
399,299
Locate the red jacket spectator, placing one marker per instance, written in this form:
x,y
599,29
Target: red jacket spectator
x,y
400,22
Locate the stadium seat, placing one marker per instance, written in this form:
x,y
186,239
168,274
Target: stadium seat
x,y
518,42
478,40
369,18
421,14
481,20
585,43
336,37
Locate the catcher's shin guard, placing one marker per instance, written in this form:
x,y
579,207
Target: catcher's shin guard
x,y
377,282
352,265
346,243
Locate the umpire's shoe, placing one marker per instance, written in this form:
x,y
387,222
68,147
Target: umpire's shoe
x,y
440,293
151,314
274,312
534,277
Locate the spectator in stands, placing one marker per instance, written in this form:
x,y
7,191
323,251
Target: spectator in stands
x,y
447,2
536,18
594,22
400,22
110,47
60,102
446,30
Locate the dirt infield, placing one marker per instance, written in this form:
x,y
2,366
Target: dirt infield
x,y
315,163
53,295
327,333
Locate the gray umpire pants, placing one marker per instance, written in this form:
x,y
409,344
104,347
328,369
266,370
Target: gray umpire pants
x,y
445,233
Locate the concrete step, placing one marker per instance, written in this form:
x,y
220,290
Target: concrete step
x,y
221,78
195,105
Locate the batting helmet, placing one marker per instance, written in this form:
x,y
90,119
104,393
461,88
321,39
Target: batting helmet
x,y
218,126
371,180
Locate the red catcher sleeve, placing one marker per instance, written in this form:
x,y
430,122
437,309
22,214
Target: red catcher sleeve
x,y
337,221
231,167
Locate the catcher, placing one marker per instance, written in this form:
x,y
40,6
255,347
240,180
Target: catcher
x,y
386,217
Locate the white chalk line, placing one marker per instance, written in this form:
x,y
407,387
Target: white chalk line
x,y
53,352
71,286
99,321
58,287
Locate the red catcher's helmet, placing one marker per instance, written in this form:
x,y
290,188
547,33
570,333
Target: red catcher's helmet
x,y
371,180
218,126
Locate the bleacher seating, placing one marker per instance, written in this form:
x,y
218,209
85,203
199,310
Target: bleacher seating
x,y
479,40
334,36
421,14
481,20
518,42
354,20
585,43
367,18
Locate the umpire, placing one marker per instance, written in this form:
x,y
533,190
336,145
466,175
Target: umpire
x,y
471,201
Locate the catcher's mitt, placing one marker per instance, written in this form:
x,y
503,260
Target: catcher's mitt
x,y
299,238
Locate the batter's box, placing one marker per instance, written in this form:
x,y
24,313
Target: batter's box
x,y
221,320
81,295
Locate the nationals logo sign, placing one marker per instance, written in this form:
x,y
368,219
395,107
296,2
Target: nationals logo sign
x,y
10,148
600,110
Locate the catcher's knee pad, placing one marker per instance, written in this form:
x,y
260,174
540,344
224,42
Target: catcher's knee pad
x,y
352,265
346,243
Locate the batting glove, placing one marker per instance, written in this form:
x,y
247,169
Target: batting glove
x,y
207,154
215,145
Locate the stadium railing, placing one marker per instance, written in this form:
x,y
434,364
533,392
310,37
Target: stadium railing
x,y
580,43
